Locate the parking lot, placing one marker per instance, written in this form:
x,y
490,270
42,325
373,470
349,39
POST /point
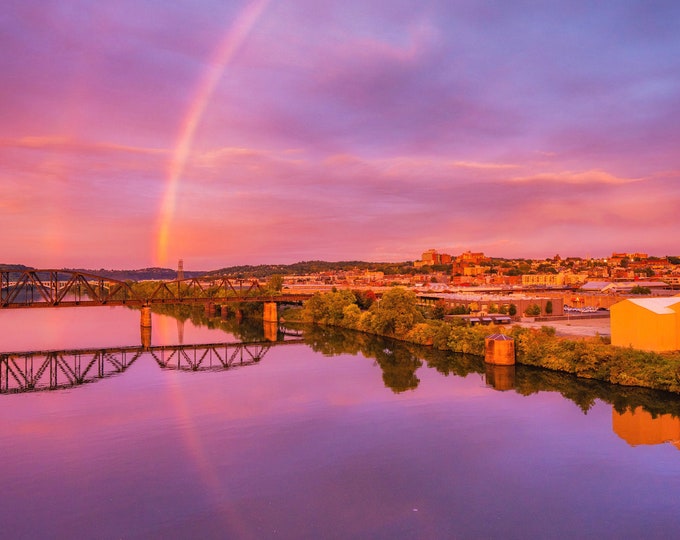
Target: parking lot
x,y
575,327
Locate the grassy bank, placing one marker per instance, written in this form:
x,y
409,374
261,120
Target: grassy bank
x,y
398,316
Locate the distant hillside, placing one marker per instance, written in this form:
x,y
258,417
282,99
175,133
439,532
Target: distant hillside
x,y
154,273
246,271
312,267
122,275
14,267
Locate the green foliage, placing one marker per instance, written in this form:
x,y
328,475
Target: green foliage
x,y
468,339
396,313
640,290
439,310
291,313
275,283
351,315
549,307
364,298
533,310
328,308
512,310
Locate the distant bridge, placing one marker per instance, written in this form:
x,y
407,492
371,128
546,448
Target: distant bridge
x,y
36,371
63,288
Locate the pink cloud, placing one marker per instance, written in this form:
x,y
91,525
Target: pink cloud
x,y
572,177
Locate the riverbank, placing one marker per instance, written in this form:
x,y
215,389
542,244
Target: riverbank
x,y
591,357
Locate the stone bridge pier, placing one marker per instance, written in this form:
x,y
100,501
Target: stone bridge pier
x,y
145,327
270,312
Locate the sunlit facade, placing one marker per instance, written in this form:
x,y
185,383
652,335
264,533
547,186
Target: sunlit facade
x,y
651,324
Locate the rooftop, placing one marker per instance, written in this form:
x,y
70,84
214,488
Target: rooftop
x,y
661,306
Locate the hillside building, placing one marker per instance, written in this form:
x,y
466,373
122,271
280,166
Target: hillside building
x,y
431,257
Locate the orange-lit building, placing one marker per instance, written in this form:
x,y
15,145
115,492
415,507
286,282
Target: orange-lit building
x,y
431,257
650,324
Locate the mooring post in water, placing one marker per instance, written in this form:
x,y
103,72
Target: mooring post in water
x,y
500,361
499,350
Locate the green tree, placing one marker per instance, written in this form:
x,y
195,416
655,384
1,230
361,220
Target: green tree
x,y
648,271
440,309
275,283
396,313
640,290
328,308
512,310
533,310
549,307
365,299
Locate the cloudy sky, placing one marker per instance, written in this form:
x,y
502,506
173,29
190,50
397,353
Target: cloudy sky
x,y
138,132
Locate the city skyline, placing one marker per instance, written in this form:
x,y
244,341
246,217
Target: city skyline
x,y
250,132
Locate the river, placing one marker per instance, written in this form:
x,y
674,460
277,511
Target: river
x,y
342,436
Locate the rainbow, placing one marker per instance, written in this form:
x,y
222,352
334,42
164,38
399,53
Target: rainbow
x,y
236,34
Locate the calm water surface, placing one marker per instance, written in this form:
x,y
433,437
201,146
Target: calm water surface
x,y
340,437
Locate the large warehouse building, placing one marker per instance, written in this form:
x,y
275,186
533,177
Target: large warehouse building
x,y
649,324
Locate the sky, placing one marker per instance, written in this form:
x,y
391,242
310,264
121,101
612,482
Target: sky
x,y
135,133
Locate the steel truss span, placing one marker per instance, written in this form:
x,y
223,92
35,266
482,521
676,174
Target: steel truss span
x,y
63,288
37,371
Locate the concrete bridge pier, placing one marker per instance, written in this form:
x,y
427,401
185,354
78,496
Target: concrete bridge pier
x,y
210,310
145,327
271,331
270,312
145,321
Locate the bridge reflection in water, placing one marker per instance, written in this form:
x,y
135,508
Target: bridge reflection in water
x,y
51,370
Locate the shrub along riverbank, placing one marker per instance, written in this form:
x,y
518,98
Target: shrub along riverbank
x,y
397,316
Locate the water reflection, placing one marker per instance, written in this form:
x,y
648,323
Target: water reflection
x,y
61,369
400,361
56,370
408,443
638,426
500,377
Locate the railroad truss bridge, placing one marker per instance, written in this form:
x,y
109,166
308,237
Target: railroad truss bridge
x,y
64,288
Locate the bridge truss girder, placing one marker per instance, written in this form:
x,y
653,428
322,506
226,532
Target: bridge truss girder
x,y
43,288
63,288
